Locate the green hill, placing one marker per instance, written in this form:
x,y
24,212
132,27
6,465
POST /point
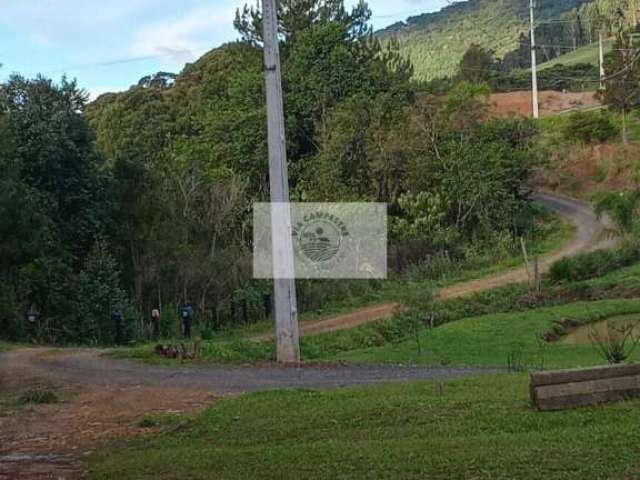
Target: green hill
x,y
435,42
587,54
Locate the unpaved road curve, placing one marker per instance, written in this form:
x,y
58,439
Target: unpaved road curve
x,y
107,398
589,236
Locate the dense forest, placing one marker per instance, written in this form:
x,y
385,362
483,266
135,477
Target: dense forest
x,y
436,42
143,199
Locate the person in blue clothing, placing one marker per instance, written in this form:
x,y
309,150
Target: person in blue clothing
x,y
186,314
117,318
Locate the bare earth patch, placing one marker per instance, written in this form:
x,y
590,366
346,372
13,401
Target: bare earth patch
x,y
49,441
551,103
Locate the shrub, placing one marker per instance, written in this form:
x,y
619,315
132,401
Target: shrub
x,y
617,344
169,322
38,396
593,264
590,127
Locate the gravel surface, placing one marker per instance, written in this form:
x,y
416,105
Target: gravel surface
x,y
89,368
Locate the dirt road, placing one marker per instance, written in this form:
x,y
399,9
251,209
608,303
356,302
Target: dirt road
x,y
105,399
589,236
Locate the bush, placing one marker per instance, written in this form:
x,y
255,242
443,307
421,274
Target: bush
x,y
593,264
590,127
38,396
169,322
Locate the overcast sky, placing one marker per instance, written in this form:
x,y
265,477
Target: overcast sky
x,y
107,44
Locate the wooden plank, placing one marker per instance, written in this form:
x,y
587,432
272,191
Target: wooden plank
x,y
588,387
586,400
581,375
562,389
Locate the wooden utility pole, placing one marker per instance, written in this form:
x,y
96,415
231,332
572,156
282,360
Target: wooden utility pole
x,y
534,63
286,312
601,58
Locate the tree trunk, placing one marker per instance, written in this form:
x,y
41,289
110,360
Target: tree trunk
x,y
625,138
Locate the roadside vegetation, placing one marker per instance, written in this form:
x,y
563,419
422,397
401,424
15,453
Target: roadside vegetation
x,y
412,331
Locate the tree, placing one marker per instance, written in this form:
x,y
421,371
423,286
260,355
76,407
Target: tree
x,y
622,207
299,16
98,296
622,86
54,154
477,65
53,200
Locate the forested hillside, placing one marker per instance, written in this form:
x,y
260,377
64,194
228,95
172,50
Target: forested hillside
x,y
436,42
143,198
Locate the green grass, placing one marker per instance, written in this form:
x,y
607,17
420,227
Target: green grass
x,y
490,340
38,396
587,54
4,346
477,428
12,401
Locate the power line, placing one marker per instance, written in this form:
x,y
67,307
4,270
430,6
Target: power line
x,y
121,61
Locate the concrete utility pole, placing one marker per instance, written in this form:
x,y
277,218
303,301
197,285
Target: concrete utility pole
x,y
534,63
286,311
601,57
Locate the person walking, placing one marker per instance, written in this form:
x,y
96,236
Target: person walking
x,y
118,320
187,314
155,323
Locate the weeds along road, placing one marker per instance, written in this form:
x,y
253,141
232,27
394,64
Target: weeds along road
x,y
590,235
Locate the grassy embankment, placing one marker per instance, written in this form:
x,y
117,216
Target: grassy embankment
x,y
480,428
587,54
492,340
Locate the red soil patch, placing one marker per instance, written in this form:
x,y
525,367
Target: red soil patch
x,y
581,171
551,103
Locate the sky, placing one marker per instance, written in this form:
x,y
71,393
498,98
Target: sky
x,y
108,45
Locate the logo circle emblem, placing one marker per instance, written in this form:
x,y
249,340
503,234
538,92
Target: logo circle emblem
x,y
320,240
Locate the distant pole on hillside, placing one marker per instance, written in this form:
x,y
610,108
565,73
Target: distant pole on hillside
x,y
534,63
286,311
601,58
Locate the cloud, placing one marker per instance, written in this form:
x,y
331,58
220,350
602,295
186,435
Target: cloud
x,y
184,38
59,21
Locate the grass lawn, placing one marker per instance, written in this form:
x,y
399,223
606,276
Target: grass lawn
x,y
490,340
479,428
586,54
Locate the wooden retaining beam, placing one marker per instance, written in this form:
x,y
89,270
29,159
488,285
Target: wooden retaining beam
x,y
564,389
